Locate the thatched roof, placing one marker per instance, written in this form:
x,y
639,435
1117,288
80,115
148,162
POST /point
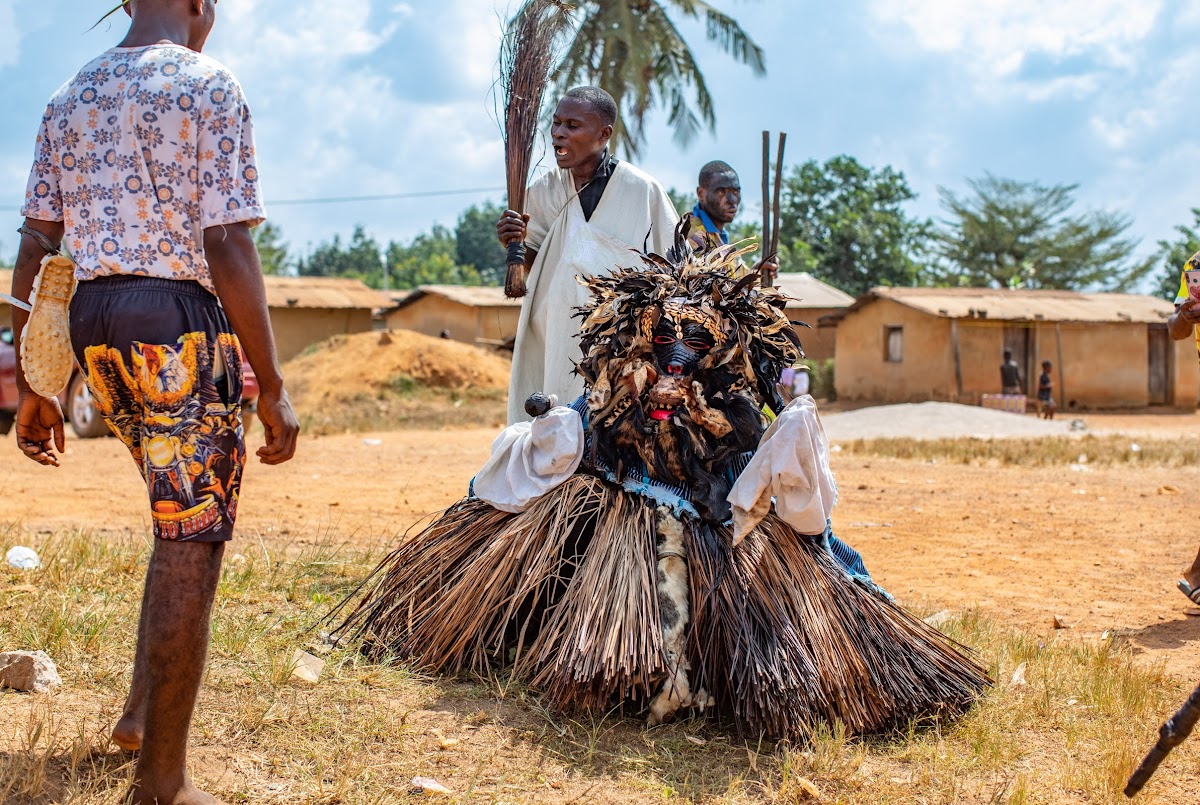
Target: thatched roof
x,y
809,292
322,292
469,295
1021,305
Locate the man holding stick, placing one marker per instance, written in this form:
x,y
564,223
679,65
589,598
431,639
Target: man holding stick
x,y
582,220
145,171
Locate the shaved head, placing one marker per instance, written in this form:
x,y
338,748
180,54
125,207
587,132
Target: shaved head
x,y
600,101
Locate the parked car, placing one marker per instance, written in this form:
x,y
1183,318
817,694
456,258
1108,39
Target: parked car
x,y
77,404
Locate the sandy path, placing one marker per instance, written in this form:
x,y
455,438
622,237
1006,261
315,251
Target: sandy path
x,y
1101,548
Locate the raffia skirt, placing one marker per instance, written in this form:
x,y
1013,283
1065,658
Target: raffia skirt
x,y
565,595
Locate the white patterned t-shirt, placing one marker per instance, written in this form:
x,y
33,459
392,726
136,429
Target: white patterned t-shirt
x,y
137,155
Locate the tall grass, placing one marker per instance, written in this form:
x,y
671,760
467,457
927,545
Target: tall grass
x,y
1071,733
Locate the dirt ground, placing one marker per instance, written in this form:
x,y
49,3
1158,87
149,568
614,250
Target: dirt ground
x,y
1100,548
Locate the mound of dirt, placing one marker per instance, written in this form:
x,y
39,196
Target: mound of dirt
x,y
937,420
374,362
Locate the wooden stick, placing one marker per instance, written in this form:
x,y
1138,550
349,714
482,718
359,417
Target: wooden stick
x,y
768,278
765,243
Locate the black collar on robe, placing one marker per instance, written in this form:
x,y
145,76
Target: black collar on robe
x,y
589,196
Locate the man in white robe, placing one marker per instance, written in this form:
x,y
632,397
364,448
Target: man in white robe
x,y
582,219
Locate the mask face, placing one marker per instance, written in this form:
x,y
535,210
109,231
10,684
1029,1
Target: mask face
x,y
682,335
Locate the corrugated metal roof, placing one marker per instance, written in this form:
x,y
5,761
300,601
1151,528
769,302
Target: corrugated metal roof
x,y
1023,305
322,292
808,292
469,295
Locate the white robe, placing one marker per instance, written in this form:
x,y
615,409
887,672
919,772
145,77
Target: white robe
x,y
634,213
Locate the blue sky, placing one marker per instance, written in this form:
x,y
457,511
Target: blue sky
x,y
360,97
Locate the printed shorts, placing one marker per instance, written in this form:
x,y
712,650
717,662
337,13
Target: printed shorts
x,y
165,371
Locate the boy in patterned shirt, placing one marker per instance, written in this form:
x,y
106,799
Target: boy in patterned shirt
x,y
145,173
1183,324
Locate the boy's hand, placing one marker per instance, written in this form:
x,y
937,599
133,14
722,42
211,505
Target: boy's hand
x,y
40,428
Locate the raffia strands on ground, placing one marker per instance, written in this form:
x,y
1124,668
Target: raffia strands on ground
x,y
854,658
526,56
565,593
604,640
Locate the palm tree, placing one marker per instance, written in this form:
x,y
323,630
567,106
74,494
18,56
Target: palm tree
x,y
633,50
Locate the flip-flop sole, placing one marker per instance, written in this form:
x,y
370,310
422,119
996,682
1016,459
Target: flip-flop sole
x,y
1192,593
46,339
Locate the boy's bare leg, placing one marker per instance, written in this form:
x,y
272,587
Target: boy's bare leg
x,y
127,733
180,585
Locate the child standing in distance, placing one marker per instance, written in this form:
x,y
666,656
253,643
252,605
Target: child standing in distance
x,y
1046,392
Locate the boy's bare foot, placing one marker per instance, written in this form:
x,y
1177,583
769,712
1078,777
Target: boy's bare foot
x,y
127,734
187,794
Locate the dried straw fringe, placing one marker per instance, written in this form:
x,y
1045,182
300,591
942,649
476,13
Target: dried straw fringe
x,y
566,593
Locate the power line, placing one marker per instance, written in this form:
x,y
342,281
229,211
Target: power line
x,y
295,202
383,197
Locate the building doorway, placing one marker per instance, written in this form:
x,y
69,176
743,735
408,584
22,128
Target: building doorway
x,y
1017,339
1161,364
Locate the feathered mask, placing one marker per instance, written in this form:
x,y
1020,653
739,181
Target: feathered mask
x,y
679,356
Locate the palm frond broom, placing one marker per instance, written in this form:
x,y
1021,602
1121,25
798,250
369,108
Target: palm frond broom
x,y
527,55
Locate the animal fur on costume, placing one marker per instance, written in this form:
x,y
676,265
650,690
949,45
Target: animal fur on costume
x,y
603,592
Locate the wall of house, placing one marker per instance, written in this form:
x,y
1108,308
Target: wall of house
x,y
497,323
820,343
862,372
1103,365
432,314
1186,379
296,329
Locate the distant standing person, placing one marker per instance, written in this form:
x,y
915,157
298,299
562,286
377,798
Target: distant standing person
x,y
1010,375
582,219
145,171
718,198
1183,324
794,382
1045,393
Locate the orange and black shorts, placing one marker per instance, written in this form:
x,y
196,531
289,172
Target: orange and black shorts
x,y
165,371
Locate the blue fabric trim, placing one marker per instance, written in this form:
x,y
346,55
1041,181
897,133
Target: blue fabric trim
x,y
709,223
677,496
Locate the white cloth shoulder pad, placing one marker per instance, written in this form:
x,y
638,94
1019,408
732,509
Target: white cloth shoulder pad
x,y
791,466
531,458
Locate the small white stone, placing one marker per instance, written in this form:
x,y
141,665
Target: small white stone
x,y
23,558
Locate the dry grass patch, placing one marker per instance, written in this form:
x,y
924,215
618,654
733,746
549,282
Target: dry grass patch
x,y
1071,733
1043,452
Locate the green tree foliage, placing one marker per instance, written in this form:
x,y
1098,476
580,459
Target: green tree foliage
x,y
429,260
1011,234
845,223
359,259
272,251
683,202
1172,254
475,242
633,49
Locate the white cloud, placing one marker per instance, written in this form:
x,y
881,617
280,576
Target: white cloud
x,y
355,98
994,40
